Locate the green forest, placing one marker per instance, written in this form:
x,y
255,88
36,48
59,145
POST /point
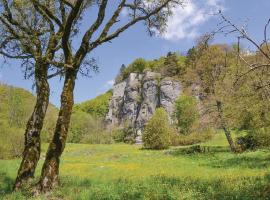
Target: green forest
x,y
193,125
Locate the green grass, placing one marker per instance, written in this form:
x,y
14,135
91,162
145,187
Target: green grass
x,y
120,171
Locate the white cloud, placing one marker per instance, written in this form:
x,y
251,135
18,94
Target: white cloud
x,y
185,21
108,84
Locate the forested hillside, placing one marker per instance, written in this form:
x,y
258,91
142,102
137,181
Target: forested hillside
x,y
16,106
88,121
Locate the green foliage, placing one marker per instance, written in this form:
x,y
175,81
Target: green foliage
x,y
173,65
16,106
138,66
85,128
124,134
254,139
11,141
186,113
87,121
262,137
97,107
157,131
192,138
120,75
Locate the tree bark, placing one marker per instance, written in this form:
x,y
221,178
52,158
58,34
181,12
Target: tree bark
x,y
224,126
50,171
34,126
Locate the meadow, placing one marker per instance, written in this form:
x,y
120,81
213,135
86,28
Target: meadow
x,y
121,171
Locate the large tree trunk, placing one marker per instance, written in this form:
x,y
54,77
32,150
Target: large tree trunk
x,y
34,126
224,126
50,170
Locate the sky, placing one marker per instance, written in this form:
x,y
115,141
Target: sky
x,y
184,27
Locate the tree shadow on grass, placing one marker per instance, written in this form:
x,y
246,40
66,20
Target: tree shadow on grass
x,y
197,149
241,162
6,183
211,153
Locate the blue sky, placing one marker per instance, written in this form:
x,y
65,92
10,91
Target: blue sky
x,y
185,26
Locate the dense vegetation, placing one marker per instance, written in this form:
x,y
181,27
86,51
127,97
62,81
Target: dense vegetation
x,y
186,114
157,133
88,121
16,105
172,65
97,107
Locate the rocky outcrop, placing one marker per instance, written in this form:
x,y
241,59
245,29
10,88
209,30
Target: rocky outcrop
x,y
134,100
169,92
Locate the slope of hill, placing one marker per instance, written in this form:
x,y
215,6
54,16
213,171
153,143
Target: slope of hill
x,y
98,107
87,121
16,105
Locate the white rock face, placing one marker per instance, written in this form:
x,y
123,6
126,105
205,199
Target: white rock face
x,y
149,98
136,99
169,92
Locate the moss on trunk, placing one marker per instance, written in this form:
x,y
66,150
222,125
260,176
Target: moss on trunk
x,y
34,126
50,171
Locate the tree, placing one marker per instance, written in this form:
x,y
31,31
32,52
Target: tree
x,y
157,131
186,113
28,35
253,80
172,65
211,72
120,77
154,14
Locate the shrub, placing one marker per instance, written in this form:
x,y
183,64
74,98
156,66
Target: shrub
x,y
85,128
192,138
11,142
258,138
157,131
186,113
138,66
125,134
246,142
101,137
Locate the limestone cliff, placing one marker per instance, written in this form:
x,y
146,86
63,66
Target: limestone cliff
x,y
135,99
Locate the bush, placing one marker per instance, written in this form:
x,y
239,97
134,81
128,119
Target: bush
x,y
137,66
258,138
246,142
192,138
157,131
11,142
125,134
102,137
85,128
186,113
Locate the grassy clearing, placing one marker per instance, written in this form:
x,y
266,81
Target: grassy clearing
x,y
120,171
